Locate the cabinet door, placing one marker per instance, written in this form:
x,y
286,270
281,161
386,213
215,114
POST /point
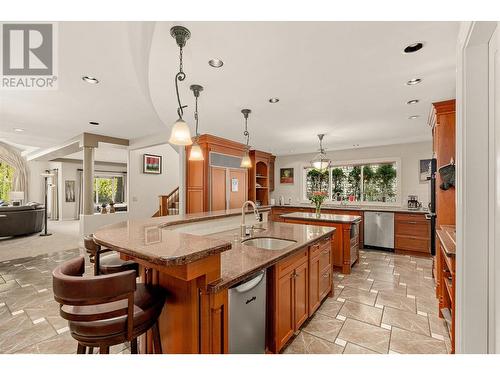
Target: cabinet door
x,y
238,188
217,189
285,309
301,283
325,282
314,283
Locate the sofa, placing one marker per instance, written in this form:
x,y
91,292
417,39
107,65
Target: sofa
x,y
20,220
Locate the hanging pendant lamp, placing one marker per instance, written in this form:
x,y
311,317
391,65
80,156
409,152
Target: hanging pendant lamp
x,y
321,161
180,134
246,162
196,153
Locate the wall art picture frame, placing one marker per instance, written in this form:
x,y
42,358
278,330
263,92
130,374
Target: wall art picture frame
x,y
424,170
69,191
286,175
152,164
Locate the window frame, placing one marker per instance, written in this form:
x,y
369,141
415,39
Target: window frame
x,y
340,163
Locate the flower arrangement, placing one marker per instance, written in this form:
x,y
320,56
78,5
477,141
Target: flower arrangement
x,y
317,198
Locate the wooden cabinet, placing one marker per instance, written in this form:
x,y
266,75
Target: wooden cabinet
x,y
320,273
411,233
285,314
259,177
271,172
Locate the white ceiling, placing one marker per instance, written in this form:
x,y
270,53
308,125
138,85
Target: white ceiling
x,y
345,79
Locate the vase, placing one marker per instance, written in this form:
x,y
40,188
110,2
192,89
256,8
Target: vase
x,y
318,211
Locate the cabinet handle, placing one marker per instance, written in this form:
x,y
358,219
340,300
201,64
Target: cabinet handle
x,y
412,222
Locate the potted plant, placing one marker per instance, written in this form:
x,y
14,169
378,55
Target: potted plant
x,y
317,198
103,208
112,207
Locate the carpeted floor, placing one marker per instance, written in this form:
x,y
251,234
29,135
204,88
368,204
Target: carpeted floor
x,y
65,236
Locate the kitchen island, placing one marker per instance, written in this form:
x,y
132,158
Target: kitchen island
x,y
197,257
345,243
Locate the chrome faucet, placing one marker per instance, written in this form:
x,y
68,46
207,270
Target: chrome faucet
x,y
243,227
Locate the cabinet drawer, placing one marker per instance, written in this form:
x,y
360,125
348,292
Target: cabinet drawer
x,y
412,244
292,261
325,257
325,282
314,249
403,217
412,228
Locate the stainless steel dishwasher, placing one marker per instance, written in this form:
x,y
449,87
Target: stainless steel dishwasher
x,y
379,230
247,316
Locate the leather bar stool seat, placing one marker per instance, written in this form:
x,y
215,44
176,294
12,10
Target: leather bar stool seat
x,y
106,310
107,264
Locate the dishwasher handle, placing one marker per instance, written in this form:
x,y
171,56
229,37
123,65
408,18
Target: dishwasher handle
x,y
252,283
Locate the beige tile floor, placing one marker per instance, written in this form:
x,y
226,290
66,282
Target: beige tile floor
x,y
386,305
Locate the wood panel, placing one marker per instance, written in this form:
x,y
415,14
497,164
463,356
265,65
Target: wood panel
x,y
301,294
411,233
285,309
218,188
314,281
236,199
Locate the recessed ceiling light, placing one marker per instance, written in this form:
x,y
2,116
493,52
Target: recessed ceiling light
x,y
90,79
414,47
274,100
414,81
19,130
215,63
413,101
413,117
93,123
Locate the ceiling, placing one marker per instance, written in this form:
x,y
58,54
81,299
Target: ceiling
x,y
345,79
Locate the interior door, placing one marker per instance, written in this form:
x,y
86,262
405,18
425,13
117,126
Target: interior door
x,y
217,188
238,187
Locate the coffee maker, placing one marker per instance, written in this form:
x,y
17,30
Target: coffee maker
x,y
413,202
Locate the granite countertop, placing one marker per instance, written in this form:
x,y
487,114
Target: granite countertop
x,y
332,218
153,239
355,208
447,238
242,260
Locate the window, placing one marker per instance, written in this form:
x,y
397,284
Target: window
x,y
6,176
361,182
109,188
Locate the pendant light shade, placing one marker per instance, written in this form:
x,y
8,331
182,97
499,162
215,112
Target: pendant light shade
x,y
321,161
196,153
180,134
246,162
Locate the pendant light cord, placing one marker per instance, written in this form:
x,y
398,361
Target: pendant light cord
x,y
180,76
246,133
196,116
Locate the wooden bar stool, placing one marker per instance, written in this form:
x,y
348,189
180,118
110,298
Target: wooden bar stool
x,y
106,310
108,264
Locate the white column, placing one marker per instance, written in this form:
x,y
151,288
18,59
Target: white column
x,y
88,180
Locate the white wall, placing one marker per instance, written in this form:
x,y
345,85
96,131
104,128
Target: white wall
x,y
144,188
409,153
36,192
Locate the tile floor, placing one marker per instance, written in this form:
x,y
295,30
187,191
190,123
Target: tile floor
x,y
387,305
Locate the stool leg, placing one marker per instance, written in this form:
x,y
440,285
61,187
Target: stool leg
x,y
133,346
156,339
80,349
91,350
104,350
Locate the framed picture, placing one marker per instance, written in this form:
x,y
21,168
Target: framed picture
x,y
69,190
286,175
151,164
424,170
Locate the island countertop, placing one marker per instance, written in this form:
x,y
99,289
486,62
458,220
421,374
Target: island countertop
x,y
154,240
242,261
332,218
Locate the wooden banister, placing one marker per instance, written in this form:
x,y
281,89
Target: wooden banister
x,y
168,203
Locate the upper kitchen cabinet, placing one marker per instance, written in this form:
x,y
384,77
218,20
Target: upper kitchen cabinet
x,y
442,121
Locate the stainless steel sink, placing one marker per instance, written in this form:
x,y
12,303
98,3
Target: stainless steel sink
x,y
268,243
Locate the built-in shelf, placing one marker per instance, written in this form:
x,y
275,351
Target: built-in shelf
x,y
261,176
449,288
261,187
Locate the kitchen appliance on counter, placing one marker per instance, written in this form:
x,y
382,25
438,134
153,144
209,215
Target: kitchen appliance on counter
x,y
431,216
379,230
413,203
247,316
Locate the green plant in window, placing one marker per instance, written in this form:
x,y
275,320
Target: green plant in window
x,y
338,177
6,176
354,180
318,181
369,184
385,176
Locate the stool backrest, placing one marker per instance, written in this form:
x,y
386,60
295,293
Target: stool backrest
x,y
112,295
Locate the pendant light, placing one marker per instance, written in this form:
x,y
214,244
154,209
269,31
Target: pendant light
x,y
321,161
245,161
196,153
180,134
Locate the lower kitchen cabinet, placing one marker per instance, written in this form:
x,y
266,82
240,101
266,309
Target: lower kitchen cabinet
x,y
411,233
296,287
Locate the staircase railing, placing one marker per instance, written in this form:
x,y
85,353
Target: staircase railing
x,y
169,204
